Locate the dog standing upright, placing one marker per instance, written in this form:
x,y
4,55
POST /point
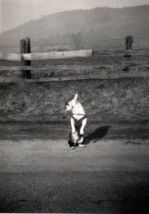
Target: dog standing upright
x,y
78,122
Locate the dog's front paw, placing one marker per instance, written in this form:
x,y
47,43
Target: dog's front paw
x,y
81,132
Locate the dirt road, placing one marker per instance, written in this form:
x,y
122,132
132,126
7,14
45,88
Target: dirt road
x,y
39,173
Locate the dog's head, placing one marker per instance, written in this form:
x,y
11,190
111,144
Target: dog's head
x,y
70,104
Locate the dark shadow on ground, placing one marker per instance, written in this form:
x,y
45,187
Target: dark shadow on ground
x,y
97,134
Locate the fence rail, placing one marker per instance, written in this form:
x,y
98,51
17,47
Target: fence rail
x,y
57,67
75,67
102,76
46,55
135,52
69,54
10,56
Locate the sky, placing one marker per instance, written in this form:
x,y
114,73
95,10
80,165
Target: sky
x,y
16,12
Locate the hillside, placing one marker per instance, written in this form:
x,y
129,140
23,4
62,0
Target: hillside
x,y
86,25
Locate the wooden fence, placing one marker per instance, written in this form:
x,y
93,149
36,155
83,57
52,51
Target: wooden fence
x,y
26,56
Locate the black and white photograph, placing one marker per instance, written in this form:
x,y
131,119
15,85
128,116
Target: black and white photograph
x,y
74,106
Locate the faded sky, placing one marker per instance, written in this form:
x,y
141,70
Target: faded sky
x,y
16,12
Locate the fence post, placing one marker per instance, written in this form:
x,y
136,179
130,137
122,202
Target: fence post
x,y
128,42
25,47
28,62
23,63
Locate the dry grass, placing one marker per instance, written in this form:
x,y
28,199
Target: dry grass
x,y
125,99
